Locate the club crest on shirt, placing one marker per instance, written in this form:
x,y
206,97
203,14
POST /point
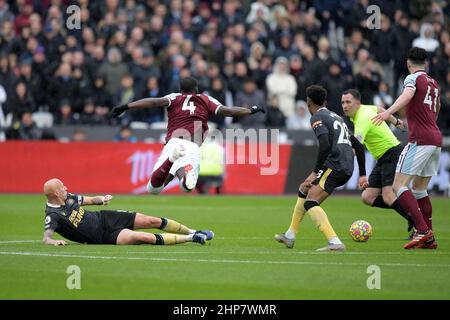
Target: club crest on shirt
x,y
317,124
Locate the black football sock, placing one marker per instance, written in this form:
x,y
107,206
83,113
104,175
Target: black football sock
x,y
379,203
159,240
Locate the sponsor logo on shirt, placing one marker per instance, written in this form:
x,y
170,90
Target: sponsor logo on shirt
x,y
76,217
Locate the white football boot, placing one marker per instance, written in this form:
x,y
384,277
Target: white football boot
x,y
332,247
190,178
283,239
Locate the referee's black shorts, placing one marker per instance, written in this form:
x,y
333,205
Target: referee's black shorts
x,y
115,221
329,179
384,171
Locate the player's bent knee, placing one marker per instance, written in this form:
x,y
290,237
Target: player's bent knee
x,y
310,204
153,222
367,198
389,198
152,189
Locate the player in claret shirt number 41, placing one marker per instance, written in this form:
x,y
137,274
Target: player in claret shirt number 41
x,y
419,160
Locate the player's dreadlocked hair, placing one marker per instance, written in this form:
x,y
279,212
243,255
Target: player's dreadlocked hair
x,y
417,55
317,94
189,85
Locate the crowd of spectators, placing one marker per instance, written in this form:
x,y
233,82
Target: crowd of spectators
x,y
242,53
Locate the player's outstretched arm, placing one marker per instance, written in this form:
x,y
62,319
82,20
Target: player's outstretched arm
x,y
397,122
400,103
239,111
48,239
361,158
140,104
99,200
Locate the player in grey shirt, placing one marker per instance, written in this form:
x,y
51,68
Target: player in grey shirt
x,y
334,167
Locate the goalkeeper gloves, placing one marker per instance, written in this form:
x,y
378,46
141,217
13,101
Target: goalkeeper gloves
x,y
256,109
117,111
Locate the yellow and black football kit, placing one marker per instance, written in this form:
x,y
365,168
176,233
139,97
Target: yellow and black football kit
x,y
75,223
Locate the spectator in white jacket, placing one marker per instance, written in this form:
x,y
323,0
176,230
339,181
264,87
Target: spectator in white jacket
x,y
301,119
283,85
426,40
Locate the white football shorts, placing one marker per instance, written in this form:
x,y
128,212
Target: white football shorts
x,y
418,160
192,156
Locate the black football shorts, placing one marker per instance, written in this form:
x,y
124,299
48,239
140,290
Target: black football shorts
x,y
115,221
383,173
329,179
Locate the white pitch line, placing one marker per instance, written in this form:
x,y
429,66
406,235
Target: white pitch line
x,y
226,261
19,241
423,253
292,253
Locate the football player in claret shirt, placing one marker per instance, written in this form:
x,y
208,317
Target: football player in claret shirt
x,y
334,167
65,215
187,128
419,160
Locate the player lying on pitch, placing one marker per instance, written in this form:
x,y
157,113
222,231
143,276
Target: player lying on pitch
x,y
64,214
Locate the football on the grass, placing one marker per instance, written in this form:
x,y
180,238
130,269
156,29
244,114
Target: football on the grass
x,y
360,231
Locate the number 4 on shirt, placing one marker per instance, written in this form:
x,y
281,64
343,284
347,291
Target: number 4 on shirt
x,y
188,105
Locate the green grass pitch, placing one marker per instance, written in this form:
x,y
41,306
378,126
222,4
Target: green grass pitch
x,y
242,262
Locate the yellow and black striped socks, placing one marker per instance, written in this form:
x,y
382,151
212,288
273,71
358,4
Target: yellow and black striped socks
x,y
173,226
171,239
